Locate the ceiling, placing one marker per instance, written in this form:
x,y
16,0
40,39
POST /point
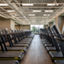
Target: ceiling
x,y
38,12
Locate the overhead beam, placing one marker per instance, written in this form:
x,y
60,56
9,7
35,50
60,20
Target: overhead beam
x,y
57,13
4,13
40,3
40,7
34,7
36,13
34,17
13,6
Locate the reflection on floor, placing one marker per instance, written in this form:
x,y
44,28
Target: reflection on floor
x,y
36,53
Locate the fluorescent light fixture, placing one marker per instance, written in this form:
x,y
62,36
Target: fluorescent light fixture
x,y
3,4
31,14
27,4
52,4
36,10
10,10
48,10
46,14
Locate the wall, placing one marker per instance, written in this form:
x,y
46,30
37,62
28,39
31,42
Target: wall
x,y
12,25
25,27
22,27
17,27
56,22
59,21
7,23
4,23
63,28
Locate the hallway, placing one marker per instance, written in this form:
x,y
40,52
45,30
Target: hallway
x,y
36,54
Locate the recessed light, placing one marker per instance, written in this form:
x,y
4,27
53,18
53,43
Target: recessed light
x,y
36,10
48,10
10,10
52,4
3,4
27,4
46,14
31,14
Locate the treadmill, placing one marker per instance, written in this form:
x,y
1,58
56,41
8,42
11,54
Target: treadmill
x,y
21,40
58,56
11,48
9,62
10,55
43,36
47,42
16,43
54,46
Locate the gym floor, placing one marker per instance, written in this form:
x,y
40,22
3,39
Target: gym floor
x,y
36,54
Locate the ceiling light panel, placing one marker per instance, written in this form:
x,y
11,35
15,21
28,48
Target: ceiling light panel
x,y
49,11
46,14
27,4
52,4
10,10
3,4
37,11
31,14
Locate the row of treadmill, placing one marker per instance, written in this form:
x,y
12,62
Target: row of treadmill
x,y
53,42
14,45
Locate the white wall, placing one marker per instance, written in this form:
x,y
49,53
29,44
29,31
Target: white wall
x,y
12,25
